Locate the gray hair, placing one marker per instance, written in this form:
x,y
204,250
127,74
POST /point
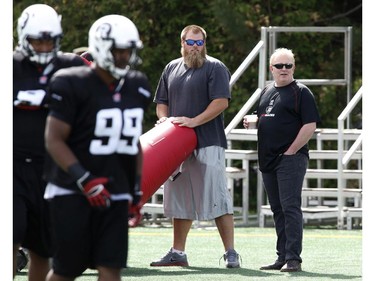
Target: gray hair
x,y
282,51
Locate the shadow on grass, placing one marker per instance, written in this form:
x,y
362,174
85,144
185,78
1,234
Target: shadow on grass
x,y
191,270
212,271
323,275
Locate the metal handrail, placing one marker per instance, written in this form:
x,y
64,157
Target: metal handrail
x,y
320,82
355,147
267,44
344,158
245,64
254,97
259,49
262,45
239,116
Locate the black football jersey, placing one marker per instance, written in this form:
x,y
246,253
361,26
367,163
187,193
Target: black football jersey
x,y
29,102
106,123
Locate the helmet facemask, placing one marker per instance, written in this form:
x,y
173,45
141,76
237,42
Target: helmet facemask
x,y
109,32
41,22
40,57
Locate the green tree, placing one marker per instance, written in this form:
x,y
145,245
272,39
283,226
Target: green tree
x,y
233,28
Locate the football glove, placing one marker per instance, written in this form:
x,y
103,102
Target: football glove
x,y
94,188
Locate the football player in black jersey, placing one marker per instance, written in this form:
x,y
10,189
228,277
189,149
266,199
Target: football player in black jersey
x,y
92,135
35,59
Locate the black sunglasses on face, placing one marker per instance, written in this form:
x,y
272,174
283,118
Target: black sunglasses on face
x,y
281,65
191,42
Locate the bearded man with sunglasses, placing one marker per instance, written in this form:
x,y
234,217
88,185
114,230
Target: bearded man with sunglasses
x,y
194,90
287,118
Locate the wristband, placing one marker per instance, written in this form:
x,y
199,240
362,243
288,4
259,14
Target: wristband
x,y
76,171
137,184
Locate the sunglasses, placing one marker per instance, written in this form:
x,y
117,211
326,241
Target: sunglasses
x,y
281,65
191,42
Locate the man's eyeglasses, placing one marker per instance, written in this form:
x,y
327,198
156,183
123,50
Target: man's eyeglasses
x,y
191,42
281,65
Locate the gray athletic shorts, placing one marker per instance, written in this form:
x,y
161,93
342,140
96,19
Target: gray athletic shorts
x,y
200,192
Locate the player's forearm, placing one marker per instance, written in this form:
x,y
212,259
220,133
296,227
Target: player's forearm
x,y
62,155
55,135
139,160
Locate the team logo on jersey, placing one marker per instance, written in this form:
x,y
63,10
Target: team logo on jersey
x,y
116,97
270,106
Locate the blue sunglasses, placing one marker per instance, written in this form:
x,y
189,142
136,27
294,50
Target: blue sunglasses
x,y
191,42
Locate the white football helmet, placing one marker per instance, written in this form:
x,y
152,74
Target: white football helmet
x,y
109,32
39,21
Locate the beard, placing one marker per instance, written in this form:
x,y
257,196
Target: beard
x,y
194,59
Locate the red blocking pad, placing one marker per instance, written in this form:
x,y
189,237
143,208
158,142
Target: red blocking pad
x,y
164,147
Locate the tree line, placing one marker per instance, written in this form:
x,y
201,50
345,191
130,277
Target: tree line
x,y
233,28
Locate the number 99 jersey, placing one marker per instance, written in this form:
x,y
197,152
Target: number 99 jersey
x,y
106,123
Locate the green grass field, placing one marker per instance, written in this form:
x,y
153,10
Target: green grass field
x,y
328,254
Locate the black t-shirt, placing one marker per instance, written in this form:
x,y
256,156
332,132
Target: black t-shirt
x,y
282,111
29,83
106,124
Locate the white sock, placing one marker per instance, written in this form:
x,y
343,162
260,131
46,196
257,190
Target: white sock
x,y
181,253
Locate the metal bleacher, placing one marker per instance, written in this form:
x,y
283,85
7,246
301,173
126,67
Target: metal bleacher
x,y
342,203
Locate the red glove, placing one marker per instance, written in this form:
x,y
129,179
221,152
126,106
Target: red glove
x,y
95,191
